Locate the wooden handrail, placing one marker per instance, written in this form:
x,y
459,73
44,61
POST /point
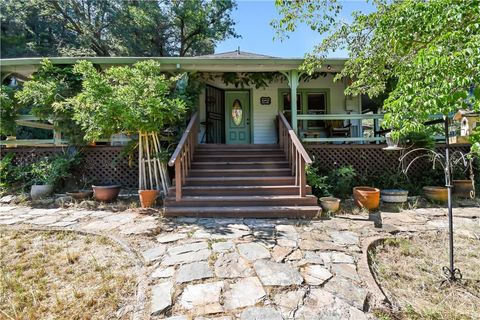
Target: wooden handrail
x,y
183,155
296,154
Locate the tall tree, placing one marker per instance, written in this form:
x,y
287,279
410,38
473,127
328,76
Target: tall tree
x,y
114,27
430,50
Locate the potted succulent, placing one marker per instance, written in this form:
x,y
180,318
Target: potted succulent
x,y
129,100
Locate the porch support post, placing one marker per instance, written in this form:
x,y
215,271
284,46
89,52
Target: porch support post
x,y
293,95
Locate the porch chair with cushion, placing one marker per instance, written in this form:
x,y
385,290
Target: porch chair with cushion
x,y
337,128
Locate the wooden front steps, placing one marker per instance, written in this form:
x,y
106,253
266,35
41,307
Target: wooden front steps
x,y
240,181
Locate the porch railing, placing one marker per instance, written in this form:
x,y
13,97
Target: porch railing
x,y
296,154
374,119
183,154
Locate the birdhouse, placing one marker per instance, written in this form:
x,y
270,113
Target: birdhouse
x,y
467,121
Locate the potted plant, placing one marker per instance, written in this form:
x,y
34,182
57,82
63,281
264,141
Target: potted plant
x,y
366,197
435,193
130,99
81,193
47,172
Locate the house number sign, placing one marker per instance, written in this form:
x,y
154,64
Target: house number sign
x,y
265,101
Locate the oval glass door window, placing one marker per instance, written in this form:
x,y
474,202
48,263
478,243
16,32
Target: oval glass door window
x,y
237,112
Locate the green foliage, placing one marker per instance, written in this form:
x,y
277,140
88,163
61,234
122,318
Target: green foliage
x,y
429,49
254,79
8,111
419,139
342,181
51,170
114,27
336,182
8,171
46,94
125,99
318,182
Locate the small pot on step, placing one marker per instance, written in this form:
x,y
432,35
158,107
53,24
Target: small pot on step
x,y
394,195
106,193
366,197
330,204
439,194
148,197
463,188
39,191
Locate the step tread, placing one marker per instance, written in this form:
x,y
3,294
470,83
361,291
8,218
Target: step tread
x,y
239,170
236,187
240,162
242,198
239,178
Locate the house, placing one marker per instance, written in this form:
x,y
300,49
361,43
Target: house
x,y
242,153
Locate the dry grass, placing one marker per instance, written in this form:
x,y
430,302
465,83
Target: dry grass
x,y
410,271
61,275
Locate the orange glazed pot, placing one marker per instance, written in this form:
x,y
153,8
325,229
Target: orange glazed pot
x,y
148,197
439,194
366,197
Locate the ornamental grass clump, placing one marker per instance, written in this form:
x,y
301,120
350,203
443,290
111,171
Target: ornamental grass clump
x,y
130,99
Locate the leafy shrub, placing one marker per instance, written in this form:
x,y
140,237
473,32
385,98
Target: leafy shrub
x,y
51,170
8,111
8,171
318,182
342,181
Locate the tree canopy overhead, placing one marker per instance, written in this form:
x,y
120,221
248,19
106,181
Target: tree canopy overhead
x,y
114,27
429,51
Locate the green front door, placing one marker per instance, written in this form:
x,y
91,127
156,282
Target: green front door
x,y
237,117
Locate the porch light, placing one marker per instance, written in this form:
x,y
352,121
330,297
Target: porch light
x,y
392,144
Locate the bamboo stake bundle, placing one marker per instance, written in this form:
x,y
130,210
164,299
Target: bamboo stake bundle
x,y
156,177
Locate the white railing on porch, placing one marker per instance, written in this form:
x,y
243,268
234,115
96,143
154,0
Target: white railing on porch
x,y
375,117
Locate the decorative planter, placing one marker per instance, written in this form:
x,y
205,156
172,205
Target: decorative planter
x,y
106,193
436,193
41,191
394,195
148,197
366,197
463,188
330,204
80,195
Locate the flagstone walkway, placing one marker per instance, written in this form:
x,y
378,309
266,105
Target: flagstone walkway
x,y
247,268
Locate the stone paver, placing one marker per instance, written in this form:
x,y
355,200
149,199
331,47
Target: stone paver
x,y
226,269
161,297
253,251
277,274
202,298
193,271
244,293
232,265
261,313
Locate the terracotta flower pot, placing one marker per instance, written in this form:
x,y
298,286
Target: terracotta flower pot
x,y
366,197
106,193
41,191
330,204
148,197
394,195
463,188
436,193
80,195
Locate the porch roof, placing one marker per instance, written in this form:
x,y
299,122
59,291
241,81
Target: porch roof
x,y
223,62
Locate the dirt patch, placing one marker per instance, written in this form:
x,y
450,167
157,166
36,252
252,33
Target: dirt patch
x,y
409,270
59,275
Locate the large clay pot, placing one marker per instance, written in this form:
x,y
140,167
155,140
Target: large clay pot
x,y
366,197
148,197
41,191
330,204
394,195
463,188
106,193
439,194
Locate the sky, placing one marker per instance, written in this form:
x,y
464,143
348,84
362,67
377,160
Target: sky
x,y
253,18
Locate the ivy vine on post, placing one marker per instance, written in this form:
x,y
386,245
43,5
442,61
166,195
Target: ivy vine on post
x,y
130,99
